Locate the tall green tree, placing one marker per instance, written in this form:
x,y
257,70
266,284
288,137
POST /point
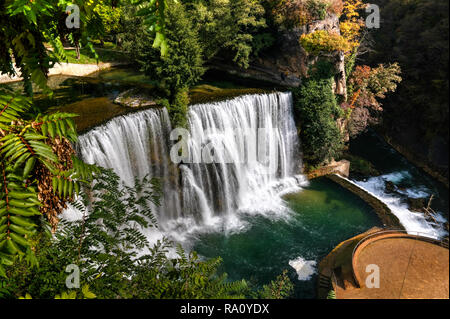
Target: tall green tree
x,y
181,66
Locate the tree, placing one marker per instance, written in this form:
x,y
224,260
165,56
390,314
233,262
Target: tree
x,y
26,26
154,14
351,24
227,27
39,173
369,86
323,41
289,14
104,244
181,66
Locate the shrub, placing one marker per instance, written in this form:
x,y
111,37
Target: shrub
x,y
322,41
317,110
288,14
179,108
227,27
318,8
116,260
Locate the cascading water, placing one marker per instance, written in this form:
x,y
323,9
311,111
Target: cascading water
x,y
236,134
135,146
251,143
414,222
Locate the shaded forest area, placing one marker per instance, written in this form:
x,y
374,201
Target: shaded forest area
x,y
415,33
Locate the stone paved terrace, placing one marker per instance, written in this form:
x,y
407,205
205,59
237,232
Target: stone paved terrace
x,y
410,268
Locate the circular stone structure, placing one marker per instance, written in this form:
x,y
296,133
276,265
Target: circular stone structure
x,y
397,265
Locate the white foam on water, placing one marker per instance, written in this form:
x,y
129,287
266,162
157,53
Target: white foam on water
x,y
414,222
304,268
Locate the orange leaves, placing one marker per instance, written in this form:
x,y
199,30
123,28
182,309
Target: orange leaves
x,y
361,75
373,84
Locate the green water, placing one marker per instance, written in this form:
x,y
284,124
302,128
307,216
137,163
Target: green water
x,y
324,214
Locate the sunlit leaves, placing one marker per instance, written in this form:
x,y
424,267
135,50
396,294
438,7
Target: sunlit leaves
x,y
322,41
154,13
26,145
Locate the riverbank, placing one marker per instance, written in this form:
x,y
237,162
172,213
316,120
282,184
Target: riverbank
x,y
433,172
69,69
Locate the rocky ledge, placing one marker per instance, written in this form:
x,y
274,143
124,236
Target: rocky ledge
x,y
135,98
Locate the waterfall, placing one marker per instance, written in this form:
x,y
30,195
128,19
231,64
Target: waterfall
x,y
251,142
255,145
135,146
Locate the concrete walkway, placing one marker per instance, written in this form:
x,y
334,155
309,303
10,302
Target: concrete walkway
x,y
410,268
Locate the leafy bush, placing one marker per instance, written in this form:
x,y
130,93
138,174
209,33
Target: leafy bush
x,y
39,173
115,259
322,41
227,27
372,84
318,8
280,288
288,14
317,111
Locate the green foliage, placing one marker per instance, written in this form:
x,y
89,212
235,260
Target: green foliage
x,y
105,242
318,8
24,146
317,111
372,84
280,288
182,65
186,277
85,294
331,294
110,18
289,14
179,108
226,27
154,15
27,25
262,41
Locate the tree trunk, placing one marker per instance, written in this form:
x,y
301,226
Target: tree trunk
x,y
77,48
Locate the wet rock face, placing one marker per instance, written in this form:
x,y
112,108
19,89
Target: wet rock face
x,y
134,98
390,187
287,62
417,204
